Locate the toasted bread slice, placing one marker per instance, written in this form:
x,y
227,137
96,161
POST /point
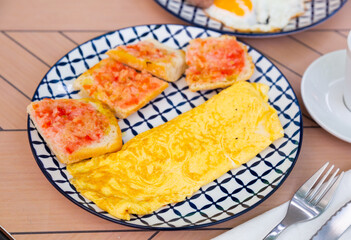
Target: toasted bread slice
x,y
76,129
121,87
217,62
154,57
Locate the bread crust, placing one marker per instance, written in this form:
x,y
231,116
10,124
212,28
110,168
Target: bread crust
x,y
170,71
119,112
111,142
223,83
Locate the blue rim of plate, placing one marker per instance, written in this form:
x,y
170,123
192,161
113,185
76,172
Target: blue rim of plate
x,y
126,223
254,35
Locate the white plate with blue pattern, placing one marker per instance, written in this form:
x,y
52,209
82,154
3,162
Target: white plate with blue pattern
x,y
229,196
316,12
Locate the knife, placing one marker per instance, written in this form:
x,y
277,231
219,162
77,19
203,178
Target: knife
x,y
4,235
336,224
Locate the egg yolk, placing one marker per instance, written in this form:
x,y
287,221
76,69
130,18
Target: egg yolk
x,y
238,7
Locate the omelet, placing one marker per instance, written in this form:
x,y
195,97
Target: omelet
x,y
170,162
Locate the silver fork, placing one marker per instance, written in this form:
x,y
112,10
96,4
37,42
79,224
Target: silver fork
x,y
309,201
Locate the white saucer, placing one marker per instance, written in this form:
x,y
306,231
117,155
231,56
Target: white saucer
x,y
322,92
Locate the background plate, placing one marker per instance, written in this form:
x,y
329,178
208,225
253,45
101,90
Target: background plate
x,y
316,12
232,194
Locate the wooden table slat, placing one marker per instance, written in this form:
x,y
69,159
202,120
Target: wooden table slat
x,y
89,235
332,41
81,37
48,46
35,34
286,51
13,107
19,66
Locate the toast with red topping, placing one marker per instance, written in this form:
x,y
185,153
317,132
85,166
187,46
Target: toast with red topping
x,y
217,62
121,87
76,129
152,56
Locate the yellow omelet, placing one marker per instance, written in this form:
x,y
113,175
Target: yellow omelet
x,y
170,162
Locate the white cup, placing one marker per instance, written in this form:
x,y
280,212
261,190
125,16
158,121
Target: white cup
x,y
347,88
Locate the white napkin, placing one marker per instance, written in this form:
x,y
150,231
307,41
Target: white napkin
x,y
258,227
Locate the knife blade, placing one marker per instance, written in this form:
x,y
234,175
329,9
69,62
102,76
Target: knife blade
x,y
336,224
4,235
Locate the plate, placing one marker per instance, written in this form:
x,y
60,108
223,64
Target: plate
x,y
316,12
322,89
231,195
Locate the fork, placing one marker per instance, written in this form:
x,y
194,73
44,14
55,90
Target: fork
x,y
309,201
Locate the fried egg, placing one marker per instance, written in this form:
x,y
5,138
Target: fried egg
x,y
255,15
170,162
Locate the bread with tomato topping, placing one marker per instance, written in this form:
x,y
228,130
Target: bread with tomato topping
x,y
152,56
217,62
121,87
76,129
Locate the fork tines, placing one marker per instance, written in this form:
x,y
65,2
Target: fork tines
x,y
310,200
321,192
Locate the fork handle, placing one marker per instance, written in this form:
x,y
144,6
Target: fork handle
x,y
275,231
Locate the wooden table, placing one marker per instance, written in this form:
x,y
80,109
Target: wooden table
x,y
35,34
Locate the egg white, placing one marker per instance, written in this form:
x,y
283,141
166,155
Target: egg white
x,y
266,15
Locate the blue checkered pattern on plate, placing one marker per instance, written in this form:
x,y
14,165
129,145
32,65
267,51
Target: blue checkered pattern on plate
x,y
232,194
316,12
